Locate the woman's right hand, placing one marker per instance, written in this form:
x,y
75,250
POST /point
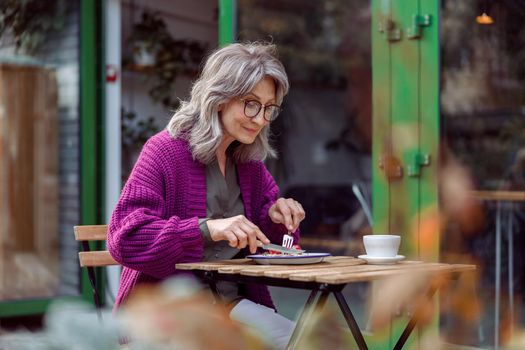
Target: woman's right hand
x,y
238,231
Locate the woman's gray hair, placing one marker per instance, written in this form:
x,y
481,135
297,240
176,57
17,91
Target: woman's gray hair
x,y
229,72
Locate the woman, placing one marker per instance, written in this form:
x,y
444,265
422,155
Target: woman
x,y
199,190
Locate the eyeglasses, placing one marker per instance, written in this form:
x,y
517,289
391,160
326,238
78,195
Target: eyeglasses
x,y
253,107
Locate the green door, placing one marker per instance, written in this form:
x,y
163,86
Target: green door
x,y
406,123
405,55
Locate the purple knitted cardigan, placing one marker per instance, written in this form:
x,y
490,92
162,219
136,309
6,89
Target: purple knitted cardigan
x,y
155,223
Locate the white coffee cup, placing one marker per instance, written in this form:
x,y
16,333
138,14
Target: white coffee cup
x,y
381,246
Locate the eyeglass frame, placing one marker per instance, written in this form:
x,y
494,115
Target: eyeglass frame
x,y
261,106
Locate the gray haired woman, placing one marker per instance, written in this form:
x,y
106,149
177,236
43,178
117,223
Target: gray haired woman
x,y
199,190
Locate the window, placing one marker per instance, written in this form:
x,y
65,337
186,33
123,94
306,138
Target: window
x,y
39,153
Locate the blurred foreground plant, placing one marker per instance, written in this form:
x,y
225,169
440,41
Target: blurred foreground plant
x,y
67,325
323,331
173,315
177,316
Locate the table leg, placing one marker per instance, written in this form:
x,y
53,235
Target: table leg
x,y
350,320
498,276
415,318
213,287
305,313
93,281
511,265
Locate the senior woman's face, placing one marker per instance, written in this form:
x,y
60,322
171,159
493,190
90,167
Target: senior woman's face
x,y
236,125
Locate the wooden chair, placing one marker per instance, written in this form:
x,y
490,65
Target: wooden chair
x,y
91,259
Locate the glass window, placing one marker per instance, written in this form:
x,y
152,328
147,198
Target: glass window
x,y
39,149
483,88
483,115
323,135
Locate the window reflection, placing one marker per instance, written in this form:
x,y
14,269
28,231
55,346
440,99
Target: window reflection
x,y
483,115
483,88
39,143
323,134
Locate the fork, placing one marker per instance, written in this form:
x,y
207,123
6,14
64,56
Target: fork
x,y
287,241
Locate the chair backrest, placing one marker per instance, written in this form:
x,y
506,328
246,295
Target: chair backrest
x,y
88,258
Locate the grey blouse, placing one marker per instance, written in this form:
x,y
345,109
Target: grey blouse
x,y
223,200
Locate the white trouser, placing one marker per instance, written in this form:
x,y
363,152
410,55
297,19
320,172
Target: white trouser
x,y
276,329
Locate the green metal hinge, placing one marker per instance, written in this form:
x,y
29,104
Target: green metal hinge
x,y
418,22
419,160
389,27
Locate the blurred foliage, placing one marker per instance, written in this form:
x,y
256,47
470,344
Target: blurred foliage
x,y
171,315
31,21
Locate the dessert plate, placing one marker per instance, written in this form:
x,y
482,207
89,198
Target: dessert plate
x,y
305,258
377,260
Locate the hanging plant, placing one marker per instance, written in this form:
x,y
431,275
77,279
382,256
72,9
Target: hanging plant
x,y
155,51
31,21
146,38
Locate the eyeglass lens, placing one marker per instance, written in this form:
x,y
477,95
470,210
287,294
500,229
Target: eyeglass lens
x,y
253,107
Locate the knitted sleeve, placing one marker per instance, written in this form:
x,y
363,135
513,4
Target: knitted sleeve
x,y
140,236
270,194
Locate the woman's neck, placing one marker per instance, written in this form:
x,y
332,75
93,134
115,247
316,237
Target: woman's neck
x,y
221,155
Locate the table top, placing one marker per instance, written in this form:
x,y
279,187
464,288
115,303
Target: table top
x,y
511,196
334,270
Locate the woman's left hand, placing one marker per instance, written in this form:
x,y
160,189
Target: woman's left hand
x,y
288,212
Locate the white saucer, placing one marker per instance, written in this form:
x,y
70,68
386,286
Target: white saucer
x,y
377,260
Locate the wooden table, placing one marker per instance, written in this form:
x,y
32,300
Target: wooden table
x,y
327,277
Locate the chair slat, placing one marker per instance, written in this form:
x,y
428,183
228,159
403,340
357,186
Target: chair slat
x,y
96,259
91,232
